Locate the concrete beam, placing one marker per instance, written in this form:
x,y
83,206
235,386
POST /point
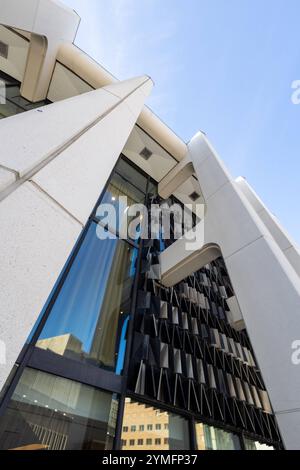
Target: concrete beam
x,y
51,24
176,177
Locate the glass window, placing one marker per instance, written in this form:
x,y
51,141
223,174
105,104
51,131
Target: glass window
x,y
49,412
131,442
120,195
140,442
119,186
127,188
175,437
133,428
211,438
11,101
89,319
131,174
125,428
255,445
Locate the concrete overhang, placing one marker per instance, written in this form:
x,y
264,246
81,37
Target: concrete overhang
x,y
53,27
97,77
50,23
176,263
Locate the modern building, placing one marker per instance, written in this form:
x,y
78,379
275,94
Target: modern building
x,y
127,341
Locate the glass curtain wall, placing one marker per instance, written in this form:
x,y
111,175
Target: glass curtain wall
x,y
250,444
211,438
52,413
89,320
11,101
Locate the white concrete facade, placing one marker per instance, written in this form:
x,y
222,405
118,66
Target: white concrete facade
x,y
52,174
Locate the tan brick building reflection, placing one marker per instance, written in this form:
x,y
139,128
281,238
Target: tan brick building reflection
x,y
144,427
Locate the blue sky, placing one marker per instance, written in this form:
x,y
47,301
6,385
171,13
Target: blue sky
x,y
223,66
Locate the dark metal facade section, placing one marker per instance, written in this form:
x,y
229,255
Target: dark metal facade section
x,y
186,355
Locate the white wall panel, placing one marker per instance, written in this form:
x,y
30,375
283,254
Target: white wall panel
x,y
36,239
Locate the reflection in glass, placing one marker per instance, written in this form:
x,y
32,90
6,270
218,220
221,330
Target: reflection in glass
x,y
131,174
51,413
121,196
255,445
14,102
89,319
146,428
211,438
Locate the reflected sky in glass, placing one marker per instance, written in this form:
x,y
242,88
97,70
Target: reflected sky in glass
x,y
94,303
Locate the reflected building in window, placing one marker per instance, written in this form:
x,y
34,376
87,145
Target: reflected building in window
x,y
149,428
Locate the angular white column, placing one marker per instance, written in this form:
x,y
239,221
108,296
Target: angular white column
x,y
266,285
282,238
54,163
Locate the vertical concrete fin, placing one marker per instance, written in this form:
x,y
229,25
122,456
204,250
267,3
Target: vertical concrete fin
x,y
265,284
64,155
280,235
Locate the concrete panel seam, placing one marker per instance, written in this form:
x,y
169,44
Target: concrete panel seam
x,y
219,189
39,188
243,247
6,168
65,146
288,248
284,412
